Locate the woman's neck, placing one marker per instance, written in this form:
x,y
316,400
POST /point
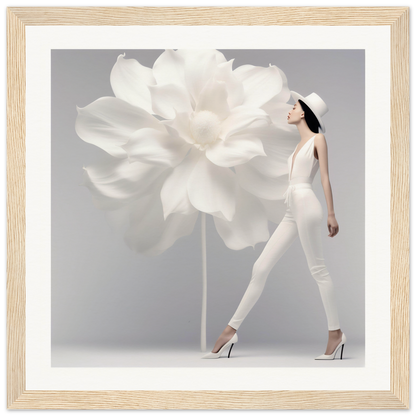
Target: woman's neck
x,y
304,131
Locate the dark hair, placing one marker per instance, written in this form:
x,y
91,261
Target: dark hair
x,y
310,117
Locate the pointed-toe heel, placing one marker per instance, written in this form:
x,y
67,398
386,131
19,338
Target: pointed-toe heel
x,y
332,356
217,354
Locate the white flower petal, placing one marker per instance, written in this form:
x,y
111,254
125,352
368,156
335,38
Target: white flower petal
x,y
200,66
156,147
176,226
129,81
213,97
212,189
181,124
240,118
260,84
284,94
259,185
174,193
278,145
235,89
109,121
170,98
163,188
148,233
117,182
145,223
237,149
169,68
249,225
278,112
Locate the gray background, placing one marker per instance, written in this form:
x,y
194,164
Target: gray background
x,y
104,295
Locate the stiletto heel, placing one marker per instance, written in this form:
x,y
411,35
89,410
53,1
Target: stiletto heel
x,y
332,356
217,354
229,352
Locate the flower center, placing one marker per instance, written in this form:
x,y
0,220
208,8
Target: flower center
x,y
205,127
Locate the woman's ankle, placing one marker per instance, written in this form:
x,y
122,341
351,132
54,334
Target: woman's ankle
x,y
230,329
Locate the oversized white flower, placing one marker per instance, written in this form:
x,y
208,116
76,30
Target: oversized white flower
x,y
190,134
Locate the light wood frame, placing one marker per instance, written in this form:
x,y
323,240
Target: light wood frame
x,y
20,17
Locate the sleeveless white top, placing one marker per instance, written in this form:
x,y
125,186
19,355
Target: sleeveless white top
x,y
304,168
305,164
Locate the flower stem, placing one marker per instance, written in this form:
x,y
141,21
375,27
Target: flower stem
x,y
204,283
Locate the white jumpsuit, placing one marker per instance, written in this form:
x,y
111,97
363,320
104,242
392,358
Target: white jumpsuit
x,y
303,218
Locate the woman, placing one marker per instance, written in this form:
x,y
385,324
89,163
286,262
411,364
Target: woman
x,y
303,218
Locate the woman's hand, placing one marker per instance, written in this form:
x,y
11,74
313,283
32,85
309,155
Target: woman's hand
x,y
333,227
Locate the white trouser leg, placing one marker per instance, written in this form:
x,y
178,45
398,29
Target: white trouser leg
x,y
303,219
308,214
284,235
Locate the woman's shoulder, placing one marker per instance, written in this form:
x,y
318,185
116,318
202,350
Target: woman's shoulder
x,y
320,137
319,144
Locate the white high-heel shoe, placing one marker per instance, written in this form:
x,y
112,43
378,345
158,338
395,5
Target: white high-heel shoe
x,y
217,354
332,356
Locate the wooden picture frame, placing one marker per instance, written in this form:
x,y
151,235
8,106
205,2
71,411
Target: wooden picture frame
x,y
18,397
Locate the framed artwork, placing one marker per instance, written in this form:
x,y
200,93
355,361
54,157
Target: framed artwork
x,y
142,189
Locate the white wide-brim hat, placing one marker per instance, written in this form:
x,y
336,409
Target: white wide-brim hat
x,y
315,103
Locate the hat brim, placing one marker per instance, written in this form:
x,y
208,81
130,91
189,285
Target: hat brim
x,y
296,96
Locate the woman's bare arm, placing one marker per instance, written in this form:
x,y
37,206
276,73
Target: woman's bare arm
x,y
322,151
